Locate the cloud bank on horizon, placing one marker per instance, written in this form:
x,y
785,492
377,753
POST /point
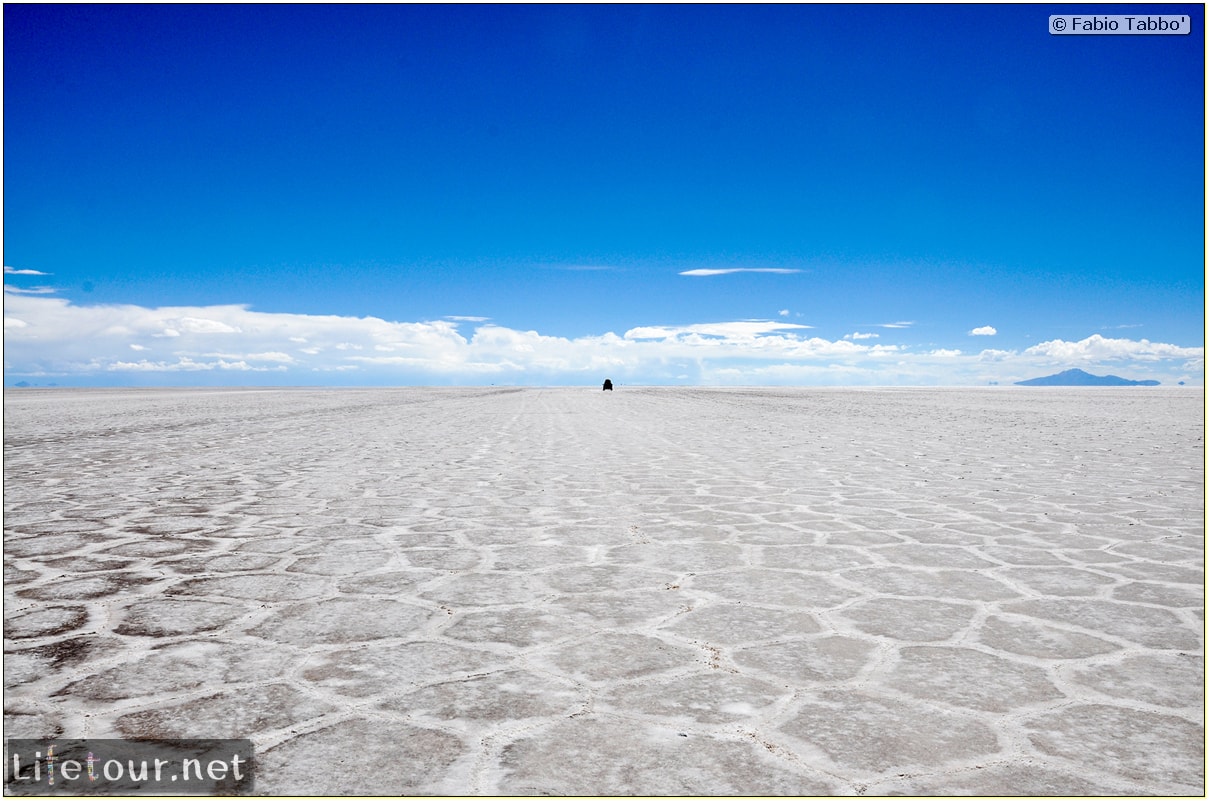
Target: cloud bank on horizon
x,y
52,340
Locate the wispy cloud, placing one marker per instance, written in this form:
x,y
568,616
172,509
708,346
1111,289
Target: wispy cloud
x,y
33,290
14,271
745,329
47,336
902,324
983,331
729,270
461,318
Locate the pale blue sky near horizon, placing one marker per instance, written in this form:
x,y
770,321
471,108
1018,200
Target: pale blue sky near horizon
x,y
805,194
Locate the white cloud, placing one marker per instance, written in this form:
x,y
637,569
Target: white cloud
x,y
185,364
783,312
904,324
33,290
1097,348
782,373
745,329
202,325
14,271
459,318
983,331
729,270
272,356
50,336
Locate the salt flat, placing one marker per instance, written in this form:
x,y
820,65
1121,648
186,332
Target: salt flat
x,y
648,591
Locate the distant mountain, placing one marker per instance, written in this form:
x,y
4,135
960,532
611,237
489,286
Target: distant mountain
x,y
1078,378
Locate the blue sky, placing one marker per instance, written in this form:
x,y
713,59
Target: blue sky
x,y
395,194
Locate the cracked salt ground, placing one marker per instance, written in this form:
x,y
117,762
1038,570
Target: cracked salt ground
x,y
651,592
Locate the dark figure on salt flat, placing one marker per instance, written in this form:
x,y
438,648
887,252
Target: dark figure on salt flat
x,y
608,385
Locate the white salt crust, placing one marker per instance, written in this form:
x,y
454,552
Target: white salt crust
x,y
653,591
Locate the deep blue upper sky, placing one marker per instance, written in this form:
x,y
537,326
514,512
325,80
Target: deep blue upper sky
x,y
950,166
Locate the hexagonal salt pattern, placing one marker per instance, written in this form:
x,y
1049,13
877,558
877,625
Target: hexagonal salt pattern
x,y
650,591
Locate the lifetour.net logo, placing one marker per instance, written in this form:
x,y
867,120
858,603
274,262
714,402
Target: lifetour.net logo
x,y
128,767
